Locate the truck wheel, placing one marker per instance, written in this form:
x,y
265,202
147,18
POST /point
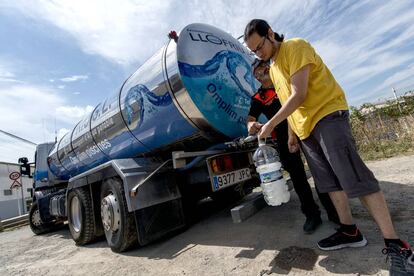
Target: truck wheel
x,y
37,225
80,216
118,223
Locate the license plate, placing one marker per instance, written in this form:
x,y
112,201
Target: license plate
x,y
227,179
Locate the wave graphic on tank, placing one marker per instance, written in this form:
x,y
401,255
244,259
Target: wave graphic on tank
x,y
134,102
233,61
221,87
143,110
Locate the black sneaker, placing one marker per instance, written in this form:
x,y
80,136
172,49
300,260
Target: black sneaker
x,y
311,224
411,260
401,259
341,240
410,264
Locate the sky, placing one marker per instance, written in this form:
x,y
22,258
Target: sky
x,y
58,59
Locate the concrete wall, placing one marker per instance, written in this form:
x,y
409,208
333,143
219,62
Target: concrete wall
x,y
12,208
11,205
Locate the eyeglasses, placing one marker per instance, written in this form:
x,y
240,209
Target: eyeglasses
x,y
260,46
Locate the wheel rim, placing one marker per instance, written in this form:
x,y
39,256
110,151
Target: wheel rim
x,y
110,213
36,220
75,214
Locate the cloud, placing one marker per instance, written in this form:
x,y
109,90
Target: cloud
x,y
6,72
402,81
26,112
61,132
114,30
381,63
129,32
364,44
3,79
74,78
401,78
61,87
33,112
361,41
72,114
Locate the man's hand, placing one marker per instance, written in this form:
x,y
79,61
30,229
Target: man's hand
x,y
266,130
254,127
293,143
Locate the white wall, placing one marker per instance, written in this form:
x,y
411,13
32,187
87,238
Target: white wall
x,y
12,149
11,205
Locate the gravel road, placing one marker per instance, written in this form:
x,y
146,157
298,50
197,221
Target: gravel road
x,y
271,241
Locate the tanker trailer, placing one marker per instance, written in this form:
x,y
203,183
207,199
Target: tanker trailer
x,y
126,170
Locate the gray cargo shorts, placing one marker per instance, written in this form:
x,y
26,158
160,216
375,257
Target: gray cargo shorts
x,y
333,158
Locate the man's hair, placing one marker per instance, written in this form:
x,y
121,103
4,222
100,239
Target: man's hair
x,y
260,27
258,62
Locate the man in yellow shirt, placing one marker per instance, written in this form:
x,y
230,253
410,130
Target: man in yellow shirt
x,y
317,112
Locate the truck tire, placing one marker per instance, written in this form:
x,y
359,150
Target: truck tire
x,y
37,225
80,216
118,223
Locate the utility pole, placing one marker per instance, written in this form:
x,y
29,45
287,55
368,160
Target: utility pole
x,y
396,98
21,187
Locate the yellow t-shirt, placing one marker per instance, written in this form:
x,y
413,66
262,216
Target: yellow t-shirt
x,y
324,94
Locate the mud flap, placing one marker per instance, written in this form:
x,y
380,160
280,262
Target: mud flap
x,y
159,220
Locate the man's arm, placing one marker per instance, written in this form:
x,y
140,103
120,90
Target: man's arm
x,y
290,131
299,88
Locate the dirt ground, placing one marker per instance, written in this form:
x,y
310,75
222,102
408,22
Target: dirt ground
x,y
270,242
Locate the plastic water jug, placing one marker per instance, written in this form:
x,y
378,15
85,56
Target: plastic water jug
x,y
267,162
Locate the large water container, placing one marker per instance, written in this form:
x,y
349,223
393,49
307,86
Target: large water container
x,y
267,162
191,94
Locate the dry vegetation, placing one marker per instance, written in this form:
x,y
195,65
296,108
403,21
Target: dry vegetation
x,y
386,131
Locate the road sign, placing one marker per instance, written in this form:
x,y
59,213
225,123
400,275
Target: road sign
x,y
15,185
15,177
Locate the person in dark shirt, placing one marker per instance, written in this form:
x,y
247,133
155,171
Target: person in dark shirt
x,y
266,102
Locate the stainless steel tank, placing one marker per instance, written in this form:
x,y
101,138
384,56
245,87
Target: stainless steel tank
x,y
190,94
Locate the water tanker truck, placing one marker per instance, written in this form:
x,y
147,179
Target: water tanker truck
x,y
168,137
